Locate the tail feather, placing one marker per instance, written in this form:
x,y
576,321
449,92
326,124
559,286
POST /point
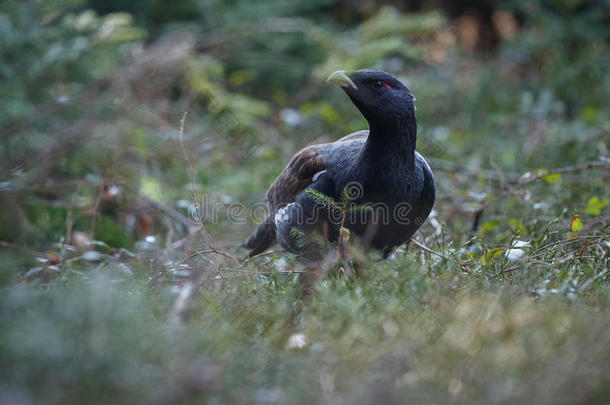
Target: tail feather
x,y
261,239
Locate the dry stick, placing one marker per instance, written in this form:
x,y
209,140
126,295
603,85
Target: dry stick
x,y
499,176
164,209
249,259
180,243
262,273
434,252
340,244
10,245
450,167
69,220
568,169
535,262
541,250
69,226
96,207
204,234
190,287
239,268
234,276
447,166
507,270
182,302
192,178
518,266
538,251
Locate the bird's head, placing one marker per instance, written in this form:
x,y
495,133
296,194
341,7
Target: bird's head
x,y
379,96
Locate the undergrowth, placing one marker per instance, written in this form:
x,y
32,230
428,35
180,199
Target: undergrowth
x,y
121,279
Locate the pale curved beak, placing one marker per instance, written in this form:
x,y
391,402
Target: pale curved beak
x,y
341,78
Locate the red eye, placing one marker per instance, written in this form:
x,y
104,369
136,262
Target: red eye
x,y
379,84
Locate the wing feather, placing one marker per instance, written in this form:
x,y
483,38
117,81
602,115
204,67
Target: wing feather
x,y
296,176
300,171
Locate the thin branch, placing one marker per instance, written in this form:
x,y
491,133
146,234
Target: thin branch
x,y
204,234
10,245
185,297
434,252
518,266
159,206
191,287
538,251
541,250
567,169
495,175
250,258
443,165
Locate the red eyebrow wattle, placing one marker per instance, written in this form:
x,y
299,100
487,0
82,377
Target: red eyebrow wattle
x,y
387,85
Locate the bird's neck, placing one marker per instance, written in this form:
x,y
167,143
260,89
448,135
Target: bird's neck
x,y
391,143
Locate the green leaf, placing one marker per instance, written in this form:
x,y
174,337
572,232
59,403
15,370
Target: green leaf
x,y
518,226
548,177
491,255
589,113
489,226
576,224
552,178
596,205
151,187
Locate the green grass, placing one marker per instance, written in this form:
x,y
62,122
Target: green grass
x,y
408,331
469,327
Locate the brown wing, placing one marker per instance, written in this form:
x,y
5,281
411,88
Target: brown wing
x,y
296,176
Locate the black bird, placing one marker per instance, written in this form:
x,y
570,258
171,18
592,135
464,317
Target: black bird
x,y
379,168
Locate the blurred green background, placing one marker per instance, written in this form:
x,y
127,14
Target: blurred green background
x,y
96,217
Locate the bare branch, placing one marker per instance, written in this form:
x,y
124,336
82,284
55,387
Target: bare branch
x,y
425,248
567,169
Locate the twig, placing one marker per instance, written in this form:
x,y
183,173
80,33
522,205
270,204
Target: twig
x,y
10,245
250,258
191,287
567,169
477,218
507,270
443,165
538,251
69,225
518,266
96,207
185,297
165,209
204,234
495,175
541,250
192,178
425,248
180,243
